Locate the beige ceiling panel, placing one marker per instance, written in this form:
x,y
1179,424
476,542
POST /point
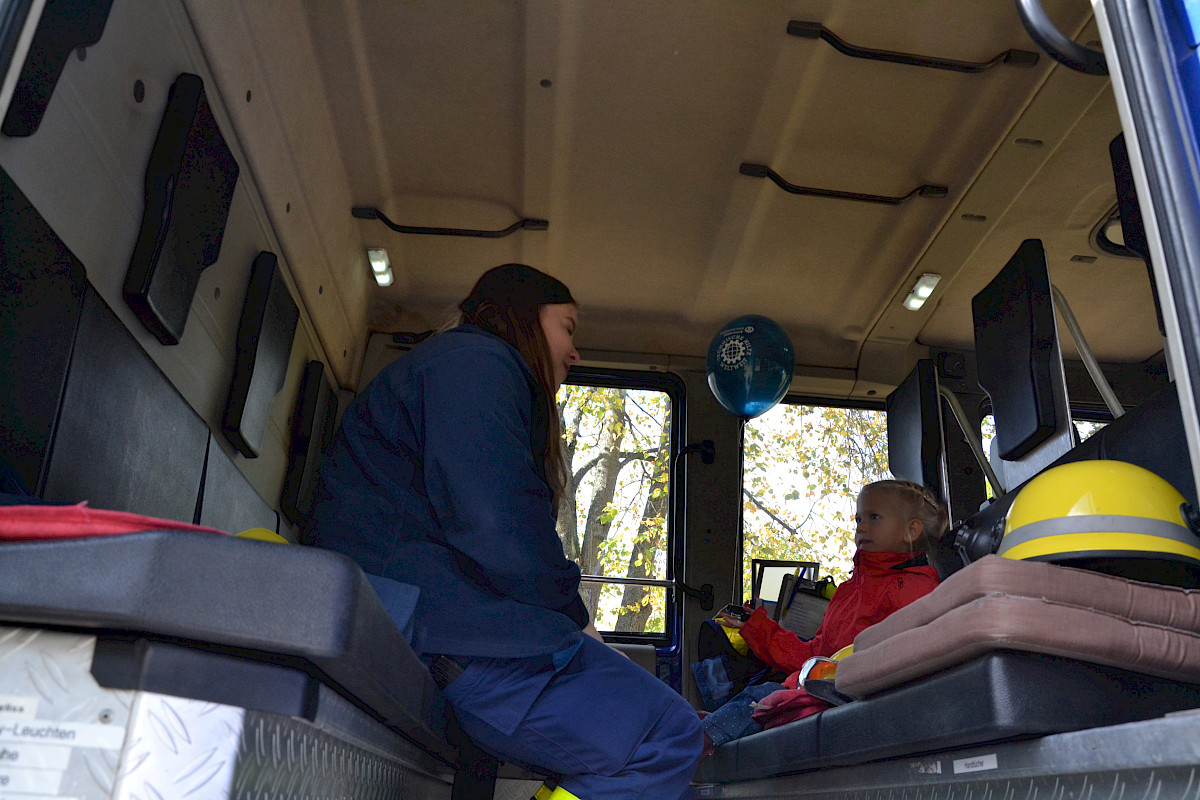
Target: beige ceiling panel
x,y
1061,205
876,128
1002,188
623,123
883,366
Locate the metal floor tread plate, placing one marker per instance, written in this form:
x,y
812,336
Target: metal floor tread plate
x,y
63,735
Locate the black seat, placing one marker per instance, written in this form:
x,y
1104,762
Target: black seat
x,y
999,696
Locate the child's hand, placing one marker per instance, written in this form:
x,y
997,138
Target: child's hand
x,y
730,621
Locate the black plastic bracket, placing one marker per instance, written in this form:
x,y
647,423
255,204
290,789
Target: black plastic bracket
x,y
704,594
202,672
189,186
763,171
706,448
313,424
523,224
64,26
264,347
815,30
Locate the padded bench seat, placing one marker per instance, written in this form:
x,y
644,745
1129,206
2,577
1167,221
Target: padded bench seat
x,y
254,604
1001,649
999,696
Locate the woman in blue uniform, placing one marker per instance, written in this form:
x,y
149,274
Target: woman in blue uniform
x,y
445,474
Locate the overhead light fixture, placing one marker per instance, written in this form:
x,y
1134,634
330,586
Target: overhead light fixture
x,y
921,292
380,266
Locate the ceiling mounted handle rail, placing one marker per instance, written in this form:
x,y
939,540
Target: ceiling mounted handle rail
x,y
1053,41
523,224
762,171
815,30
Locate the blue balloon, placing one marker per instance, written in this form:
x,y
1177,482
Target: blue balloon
x,y
750,365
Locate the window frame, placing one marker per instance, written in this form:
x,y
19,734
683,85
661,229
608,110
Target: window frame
x,y
791,400
673,386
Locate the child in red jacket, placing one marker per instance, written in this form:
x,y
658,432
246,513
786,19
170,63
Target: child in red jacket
x,y
894,524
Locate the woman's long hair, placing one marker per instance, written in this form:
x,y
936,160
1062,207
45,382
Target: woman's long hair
x,y
520,326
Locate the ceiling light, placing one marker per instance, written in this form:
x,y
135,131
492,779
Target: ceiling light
x,y
380,266
921,292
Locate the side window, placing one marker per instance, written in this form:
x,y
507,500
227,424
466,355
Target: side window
x,y
803,466
987,431
614,518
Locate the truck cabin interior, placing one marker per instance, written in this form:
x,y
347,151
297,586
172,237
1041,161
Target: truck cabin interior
x,y
219,220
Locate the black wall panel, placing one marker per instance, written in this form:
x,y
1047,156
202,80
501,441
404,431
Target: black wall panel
x,y
126,440
229,503
41,293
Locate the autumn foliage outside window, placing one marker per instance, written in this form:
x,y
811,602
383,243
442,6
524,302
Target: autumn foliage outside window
x,y
804,465
613,517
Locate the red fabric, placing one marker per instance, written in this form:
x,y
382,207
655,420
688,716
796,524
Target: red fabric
x,y
784,706
30,523
873,591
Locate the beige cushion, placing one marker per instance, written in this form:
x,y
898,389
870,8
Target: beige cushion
x,y
997,603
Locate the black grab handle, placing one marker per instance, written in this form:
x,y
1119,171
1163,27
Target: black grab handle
x,y
1052,40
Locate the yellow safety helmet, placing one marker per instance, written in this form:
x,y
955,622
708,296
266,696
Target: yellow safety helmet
x,y
1110,516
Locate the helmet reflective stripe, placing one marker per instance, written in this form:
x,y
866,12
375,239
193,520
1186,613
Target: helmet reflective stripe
x,y
1102,514
1103,545
1100,523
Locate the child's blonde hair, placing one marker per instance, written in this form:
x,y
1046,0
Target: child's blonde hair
x,y
920,504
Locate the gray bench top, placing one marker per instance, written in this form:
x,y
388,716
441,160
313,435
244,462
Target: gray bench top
x,y
1002,695
313,607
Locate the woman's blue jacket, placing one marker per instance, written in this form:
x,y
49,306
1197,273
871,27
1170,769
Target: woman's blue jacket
x,y
432,480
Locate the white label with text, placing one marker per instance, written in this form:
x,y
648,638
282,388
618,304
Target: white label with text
x,y
976,764
34,756
68,734
15,705
31,781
